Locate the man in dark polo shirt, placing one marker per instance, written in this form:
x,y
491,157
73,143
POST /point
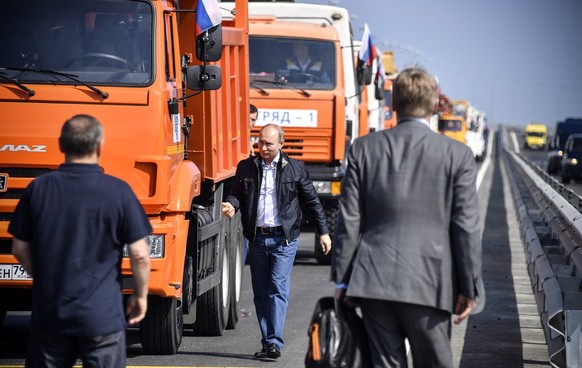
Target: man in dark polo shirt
x,y
69,229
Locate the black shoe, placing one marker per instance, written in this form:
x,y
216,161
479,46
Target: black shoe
x,y
262,354
273,351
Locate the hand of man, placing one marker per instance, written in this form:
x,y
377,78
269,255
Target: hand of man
x,y
340,294
463,308
227,209
136,309
325,242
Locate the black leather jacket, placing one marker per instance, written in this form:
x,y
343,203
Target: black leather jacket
x,y
294,190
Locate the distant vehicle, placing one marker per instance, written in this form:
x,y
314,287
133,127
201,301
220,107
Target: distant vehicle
x,y
474,121
453,127
391,71
557,144
463,122
572,158
536,136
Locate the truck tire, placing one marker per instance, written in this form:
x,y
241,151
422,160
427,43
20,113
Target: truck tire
x,y
188,285
331,209
236,270
162,328
212,307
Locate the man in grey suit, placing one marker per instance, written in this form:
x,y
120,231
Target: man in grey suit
x,y
407,243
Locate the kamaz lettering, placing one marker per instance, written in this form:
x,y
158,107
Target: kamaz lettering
x,y
23,147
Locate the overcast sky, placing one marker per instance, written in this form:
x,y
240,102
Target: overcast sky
x,y
519,61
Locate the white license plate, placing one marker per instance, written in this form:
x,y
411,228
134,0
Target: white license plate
x,y
13,272
288,118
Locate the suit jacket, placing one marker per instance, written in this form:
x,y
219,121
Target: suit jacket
x,y
409,228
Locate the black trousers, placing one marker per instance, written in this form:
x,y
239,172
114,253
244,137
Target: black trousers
x,y
60,351
427,329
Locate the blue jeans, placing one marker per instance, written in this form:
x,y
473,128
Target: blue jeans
x,y
271,261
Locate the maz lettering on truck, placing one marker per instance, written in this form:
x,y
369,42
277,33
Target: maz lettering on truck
x,y
23,147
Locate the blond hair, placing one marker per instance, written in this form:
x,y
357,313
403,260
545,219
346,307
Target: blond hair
x,y
415,93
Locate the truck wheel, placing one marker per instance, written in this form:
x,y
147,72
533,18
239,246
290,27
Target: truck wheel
x,y
236,270
331,213
213,306
162,328
565,177
188,285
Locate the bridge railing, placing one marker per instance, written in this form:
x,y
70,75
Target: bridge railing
x,y
551,229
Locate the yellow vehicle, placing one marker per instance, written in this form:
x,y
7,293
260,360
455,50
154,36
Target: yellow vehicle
x,y
453,126
536,136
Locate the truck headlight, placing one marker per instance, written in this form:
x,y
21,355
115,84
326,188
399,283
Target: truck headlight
x,y
328,187
156,245
573,161
322,187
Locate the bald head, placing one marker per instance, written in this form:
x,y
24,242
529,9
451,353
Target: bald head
x,y
81,137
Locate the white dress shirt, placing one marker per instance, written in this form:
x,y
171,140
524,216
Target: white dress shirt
x,y
267,211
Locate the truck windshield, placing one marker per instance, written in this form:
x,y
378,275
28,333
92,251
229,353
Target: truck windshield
x,y
96,42
535,134
577,146
459,110
450,125
292,63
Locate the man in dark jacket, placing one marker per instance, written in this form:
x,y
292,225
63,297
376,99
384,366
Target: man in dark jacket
x,y
69,230
269,191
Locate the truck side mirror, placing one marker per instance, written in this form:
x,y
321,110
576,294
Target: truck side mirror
x,y
209,44
204,77
379,89
364,74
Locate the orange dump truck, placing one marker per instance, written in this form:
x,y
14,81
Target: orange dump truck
x,y
390,118
317,102
134,64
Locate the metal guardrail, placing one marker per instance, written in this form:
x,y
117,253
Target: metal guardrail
x,y
552,236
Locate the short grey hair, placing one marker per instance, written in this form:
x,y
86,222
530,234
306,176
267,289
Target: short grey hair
x,y
279,130
81,136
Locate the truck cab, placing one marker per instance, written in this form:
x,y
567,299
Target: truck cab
x,y
536,136
320,114
558,142
453,127
134,64
572,158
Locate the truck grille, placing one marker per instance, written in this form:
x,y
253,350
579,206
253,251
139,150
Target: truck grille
x,y
5,246
16,192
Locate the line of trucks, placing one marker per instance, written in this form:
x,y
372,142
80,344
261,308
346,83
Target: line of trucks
x,y
460,120
175,108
